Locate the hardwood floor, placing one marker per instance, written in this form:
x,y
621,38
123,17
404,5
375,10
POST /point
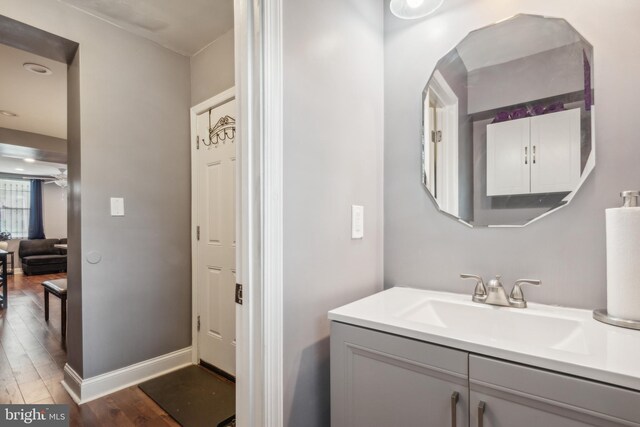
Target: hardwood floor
x,y
32,359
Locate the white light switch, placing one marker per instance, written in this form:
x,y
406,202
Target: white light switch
x,y
117,206
357,222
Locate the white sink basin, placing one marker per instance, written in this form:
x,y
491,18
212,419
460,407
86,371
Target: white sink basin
x,y
561,339
500,324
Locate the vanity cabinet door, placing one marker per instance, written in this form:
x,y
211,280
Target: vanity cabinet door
x,y
382,380
501,411
506,394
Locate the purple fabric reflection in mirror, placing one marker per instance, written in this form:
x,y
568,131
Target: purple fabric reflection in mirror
x,y
502,116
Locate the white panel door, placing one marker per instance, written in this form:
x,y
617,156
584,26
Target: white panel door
x,y
555,151
508,158
216,248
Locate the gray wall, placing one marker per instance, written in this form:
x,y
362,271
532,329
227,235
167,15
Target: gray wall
x,y
333,136
54,211
33,140
425,249
527,79
212,69
134,134
15,143
74,219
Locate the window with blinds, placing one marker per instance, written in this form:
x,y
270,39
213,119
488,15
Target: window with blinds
x,y
14,207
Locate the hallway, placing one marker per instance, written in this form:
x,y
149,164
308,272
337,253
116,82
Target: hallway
x,y
32,359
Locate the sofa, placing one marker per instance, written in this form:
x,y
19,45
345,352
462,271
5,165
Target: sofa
x,y
40,257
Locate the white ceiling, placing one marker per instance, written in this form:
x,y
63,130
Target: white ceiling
x,y
40,101
182,26
10,165
515,38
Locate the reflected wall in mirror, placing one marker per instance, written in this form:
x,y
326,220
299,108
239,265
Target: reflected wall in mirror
x,y
508,122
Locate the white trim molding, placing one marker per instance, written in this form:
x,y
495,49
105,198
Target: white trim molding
x,y
448,153
272,212
258,53
249,354
248,350
86,390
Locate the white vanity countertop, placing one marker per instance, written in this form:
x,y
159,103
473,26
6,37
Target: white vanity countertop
x,y
561,339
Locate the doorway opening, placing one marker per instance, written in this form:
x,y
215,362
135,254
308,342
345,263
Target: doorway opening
x,y
214,244
259,366
38,307
440,148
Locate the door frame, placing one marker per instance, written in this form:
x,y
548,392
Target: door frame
x,y
194,112
259,213
259,75
259,202
443,93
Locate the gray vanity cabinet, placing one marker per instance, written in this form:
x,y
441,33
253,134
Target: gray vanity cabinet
x,y
383,380
504,394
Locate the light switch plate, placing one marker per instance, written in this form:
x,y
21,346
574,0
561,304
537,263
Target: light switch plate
x,y
117,206
357,222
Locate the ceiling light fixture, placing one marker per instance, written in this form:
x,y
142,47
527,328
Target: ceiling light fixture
x,y
37,68
413,9
8,113
28,160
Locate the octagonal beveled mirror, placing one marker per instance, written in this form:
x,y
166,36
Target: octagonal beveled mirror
x,y
508,122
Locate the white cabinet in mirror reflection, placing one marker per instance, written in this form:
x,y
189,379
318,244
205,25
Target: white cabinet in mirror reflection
x,y
555,139
534,155
508,168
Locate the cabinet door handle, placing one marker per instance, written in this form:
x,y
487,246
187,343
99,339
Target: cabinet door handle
x,y
454,405
481,407
534,154
526,155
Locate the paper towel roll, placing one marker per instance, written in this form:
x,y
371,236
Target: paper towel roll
x,y
623,262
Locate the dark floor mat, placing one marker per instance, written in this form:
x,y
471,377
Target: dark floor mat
x,y
194,397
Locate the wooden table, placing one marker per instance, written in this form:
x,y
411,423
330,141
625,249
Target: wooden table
x,y
3,278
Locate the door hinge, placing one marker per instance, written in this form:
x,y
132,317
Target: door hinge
x,y
197,142
198,323
238,293
198,233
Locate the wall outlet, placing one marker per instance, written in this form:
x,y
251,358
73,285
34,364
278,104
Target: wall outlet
x,y
357,222
117,206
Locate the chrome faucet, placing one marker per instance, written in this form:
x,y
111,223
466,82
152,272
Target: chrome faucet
x,y
480,292
495,294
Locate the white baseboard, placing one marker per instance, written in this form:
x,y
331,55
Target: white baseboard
x,y
86,390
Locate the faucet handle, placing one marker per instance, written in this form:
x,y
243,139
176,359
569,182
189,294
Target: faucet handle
x,y
480,292
517,297
495,283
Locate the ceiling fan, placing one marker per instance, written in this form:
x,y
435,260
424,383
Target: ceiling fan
x,y
59,179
